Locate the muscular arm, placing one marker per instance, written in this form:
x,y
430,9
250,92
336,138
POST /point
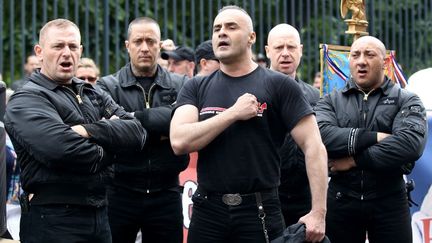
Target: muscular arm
x,y
187,134
307,136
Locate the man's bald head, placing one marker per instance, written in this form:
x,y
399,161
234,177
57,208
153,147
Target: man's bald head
x,y
284,49
248,18
367,62
370,40
283,29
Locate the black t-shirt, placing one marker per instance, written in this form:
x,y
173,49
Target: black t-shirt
x,y
244,157
145,82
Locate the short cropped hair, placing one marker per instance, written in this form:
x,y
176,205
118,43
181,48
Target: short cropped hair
x,y
58,23
142,20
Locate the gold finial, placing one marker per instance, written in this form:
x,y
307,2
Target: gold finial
x,y
357,25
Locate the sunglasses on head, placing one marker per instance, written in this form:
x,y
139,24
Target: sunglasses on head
x,y
90,79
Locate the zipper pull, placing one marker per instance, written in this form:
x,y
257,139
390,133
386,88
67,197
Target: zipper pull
x,y
365,97
79,99
147,105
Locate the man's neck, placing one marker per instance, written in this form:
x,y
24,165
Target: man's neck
x,y
238,69
292,75
57,81
372,88
143,73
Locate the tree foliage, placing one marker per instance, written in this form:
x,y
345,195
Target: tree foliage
x,y
404,26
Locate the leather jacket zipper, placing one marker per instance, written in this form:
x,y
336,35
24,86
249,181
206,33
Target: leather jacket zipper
x,y
149,95
147,98
365,110
81,104
148,179
78,99
365,107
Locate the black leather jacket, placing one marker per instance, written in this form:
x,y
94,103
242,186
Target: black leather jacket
x,y
57,164
349,121
156,167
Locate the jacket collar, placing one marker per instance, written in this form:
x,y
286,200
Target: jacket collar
x,y
42,80
385,86
127,78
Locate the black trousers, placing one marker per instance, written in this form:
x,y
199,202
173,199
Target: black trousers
x,y
385,219
213,221
294,205
158,215
65,224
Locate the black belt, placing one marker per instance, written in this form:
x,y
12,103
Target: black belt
x,y
234,199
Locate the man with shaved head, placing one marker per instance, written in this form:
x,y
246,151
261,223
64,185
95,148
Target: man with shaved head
x,y
374,132
237,118
284,49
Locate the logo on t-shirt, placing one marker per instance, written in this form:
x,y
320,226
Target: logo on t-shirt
x,y
261,108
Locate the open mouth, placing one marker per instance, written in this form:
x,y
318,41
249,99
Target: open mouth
x,y
223,44
285,62
362,72
66,64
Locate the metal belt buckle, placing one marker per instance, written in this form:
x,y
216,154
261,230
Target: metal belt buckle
x,y
232,199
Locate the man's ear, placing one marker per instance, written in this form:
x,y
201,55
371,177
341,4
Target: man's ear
x,y
202,62
267,51
38,51
252,38
127,45
301,50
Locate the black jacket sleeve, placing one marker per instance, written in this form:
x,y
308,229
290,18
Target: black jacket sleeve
x,y
111,107
405,145
340,141
116,135
156,120
35,124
